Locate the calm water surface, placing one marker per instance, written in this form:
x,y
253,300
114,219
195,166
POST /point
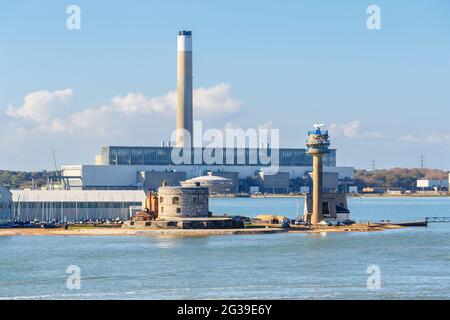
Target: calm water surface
x,y
414,263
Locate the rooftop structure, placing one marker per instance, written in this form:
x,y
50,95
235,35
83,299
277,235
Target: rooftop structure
x,y
215,184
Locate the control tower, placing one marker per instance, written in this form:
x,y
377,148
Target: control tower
x,y
318,144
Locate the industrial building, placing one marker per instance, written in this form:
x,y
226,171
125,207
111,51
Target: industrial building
x,y
130,168
434,184
6,205
65,205
272,183
152,180
148,177
141,167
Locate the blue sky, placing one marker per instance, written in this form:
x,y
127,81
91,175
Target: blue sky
x,y
385,93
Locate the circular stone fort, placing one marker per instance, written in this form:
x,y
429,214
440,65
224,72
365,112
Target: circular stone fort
x,y
183,202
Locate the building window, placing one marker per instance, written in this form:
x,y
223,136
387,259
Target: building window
x,y
162,209
175,200
161,200
178,210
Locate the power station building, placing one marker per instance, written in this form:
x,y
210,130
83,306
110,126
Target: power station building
x,y
131,168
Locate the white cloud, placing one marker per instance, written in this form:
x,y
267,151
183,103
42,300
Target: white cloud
x,y
41,106
353,130
210,101
432,138
215,99
45,108
138,103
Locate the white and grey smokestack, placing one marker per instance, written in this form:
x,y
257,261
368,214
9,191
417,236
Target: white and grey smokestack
x,y
185,120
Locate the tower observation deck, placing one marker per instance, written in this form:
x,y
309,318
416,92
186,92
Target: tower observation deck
x,y
318,141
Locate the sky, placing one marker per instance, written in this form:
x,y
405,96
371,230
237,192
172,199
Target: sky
x,y
384,94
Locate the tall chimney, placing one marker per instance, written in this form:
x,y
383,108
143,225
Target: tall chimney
x,y
184,90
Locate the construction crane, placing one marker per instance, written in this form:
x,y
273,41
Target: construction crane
x,y
56,170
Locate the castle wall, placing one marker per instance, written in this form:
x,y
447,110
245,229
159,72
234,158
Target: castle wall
x,y
183,202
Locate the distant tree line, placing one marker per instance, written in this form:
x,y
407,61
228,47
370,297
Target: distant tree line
x,y
396,177
24,180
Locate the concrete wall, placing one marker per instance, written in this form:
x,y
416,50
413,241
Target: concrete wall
x,y
330,181
330,203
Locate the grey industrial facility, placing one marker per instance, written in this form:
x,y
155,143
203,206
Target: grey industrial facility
x,y
146,167
64,205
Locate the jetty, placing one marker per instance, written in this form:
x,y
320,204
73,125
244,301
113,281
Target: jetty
x,y
437,219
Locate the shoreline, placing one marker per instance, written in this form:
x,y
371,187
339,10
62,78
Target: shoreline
x,y
123,232
349,195
400,196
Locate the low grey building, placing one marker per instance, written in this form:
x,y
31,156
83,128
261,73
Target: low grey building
x,y
6,205
232,176
152,180
273,183
75,205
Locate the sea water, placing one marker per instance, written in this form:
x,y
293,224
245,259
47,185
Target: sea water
x,y
411,263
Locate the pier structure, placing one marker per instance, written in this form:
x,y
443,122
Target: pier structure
x,y
318,144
